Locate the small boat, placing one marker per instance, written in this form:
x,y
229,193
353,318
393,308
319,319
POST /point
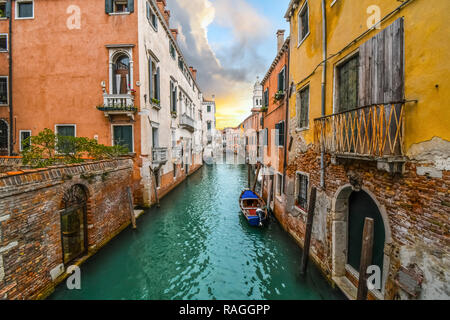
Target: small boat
x,y
253,207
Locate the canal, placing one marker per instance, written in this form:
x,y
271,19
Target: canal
x,y
198,246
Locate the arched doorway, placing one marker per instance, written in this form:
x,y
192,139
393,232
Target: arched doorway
x,y
3,138
361,206
349,210
73,223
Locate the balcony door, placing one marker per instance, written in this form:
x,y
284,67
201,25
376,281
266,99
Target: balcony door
x,y
348,78
121,74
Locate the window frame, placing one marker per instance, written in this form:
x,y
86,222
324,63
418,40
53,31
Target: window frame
x,y
152,16
17,10
7,91
132,134
172,49
66,125
299,22
336,83
5,3
282,83
299,108
21,140
297,191
7,42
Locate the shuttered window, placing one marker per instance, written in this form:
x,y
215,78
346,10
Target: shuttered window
x,y
348,80
3,90
279,129
123,136
302,191
3,42
303,108
266,98
282,80
303,23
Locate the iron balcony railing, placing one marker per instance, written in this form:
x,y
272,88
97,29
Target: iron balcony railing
x,y
187,121
374,131
160,155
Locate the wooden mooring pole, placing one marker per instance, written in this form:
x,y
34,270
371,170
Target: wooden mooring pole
x,y
249,173
366,258
130,200
308,233
256,178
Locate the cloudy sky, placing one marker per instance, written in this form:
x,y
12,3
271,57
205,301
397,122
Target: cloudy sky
x,y
230,43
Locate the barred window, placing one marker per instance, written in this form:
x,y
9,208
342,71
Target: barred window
x,y
302,191
3,90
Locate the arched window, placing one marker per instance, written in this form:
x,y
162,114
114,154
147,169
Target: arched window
x,y
73,223
121,74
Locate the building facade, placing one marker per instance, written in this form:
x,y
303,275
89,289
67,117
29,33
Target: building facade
x,y
211,137
365,134
130,86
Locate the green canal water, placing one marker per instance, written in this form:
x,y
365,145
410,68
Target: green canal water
x,y
198,246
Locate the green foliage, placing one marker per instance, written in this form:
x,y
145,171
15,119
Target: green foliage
x,y
47,149
155,101
279,96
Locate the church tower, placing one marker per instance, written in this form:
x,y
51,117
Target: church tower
x,y
257,94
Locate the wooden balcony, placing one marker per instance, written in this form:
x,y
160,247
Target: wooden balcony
x,y
187,122
373,132
118,104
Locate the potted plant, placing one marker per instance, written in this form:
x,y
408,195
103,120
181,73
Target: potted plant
x,y
279,95
133,92
155,101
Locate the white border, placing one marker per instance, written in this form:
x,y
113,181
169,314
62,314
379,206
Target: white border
x,y
66,125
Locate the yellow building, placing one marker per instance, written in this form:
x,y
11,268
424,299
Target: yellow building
x,y
370,129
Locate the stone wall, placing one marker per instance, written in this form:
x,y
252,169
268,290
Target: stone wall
x,y
415,206
31,261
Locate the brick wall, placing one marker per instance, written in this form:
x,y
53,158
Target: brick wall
x,y
30,201
416,207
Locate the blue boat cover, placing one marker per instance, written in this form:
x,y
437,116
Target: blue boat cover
x,y
249,195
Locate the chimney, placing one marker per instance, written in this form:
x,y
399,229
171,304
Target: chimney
x,y
194,73
280,39
174,33
161,5
166,15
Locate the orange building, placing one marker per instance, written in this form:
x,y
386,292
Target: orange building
x,y
275,98
81,68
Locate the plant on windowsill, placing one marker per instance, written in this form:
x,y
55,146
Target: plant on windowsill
x,y
156,102
133,92
173,114
279,96
264,109
117,108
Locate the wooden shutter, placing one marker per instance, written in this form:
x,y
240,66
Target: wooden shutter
x,y
157,93
8,9
281,133
108,6
266,136
150,79
381,67
130,6
348,74
304,108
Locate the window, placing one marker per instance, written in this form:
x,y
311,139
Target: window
x,y
3,42
173,97
2,9
174,170
280,188
279,127
151,16
119,6
209,125
65,146
303,23
24,139
24,9
155,137
154,81
180,64
121,74
302,191
266,98
303,108
282,80
208,109
3,90
347,82
123,136
172,51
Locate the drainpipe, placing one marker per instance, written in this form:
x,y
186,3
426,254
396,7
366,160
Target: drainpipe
x,y
10,81
286,129
324,83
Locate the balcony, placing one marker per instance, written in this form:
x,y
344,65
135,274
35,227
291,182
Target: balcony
x,y
374,132
187,122
177,154
159,156
118,104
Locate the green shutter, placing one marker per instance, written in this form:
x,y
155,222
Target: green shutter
x,y
281,134
157,84
130,5
150,79
108,6
123,136
8,9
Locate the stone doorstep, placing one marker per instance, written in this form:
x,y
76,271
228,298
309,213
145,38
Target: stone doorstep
x,y
346,287
138,213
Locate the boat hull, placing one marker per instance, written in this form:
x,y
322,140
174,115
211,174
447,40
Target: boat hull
x,y
250,203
